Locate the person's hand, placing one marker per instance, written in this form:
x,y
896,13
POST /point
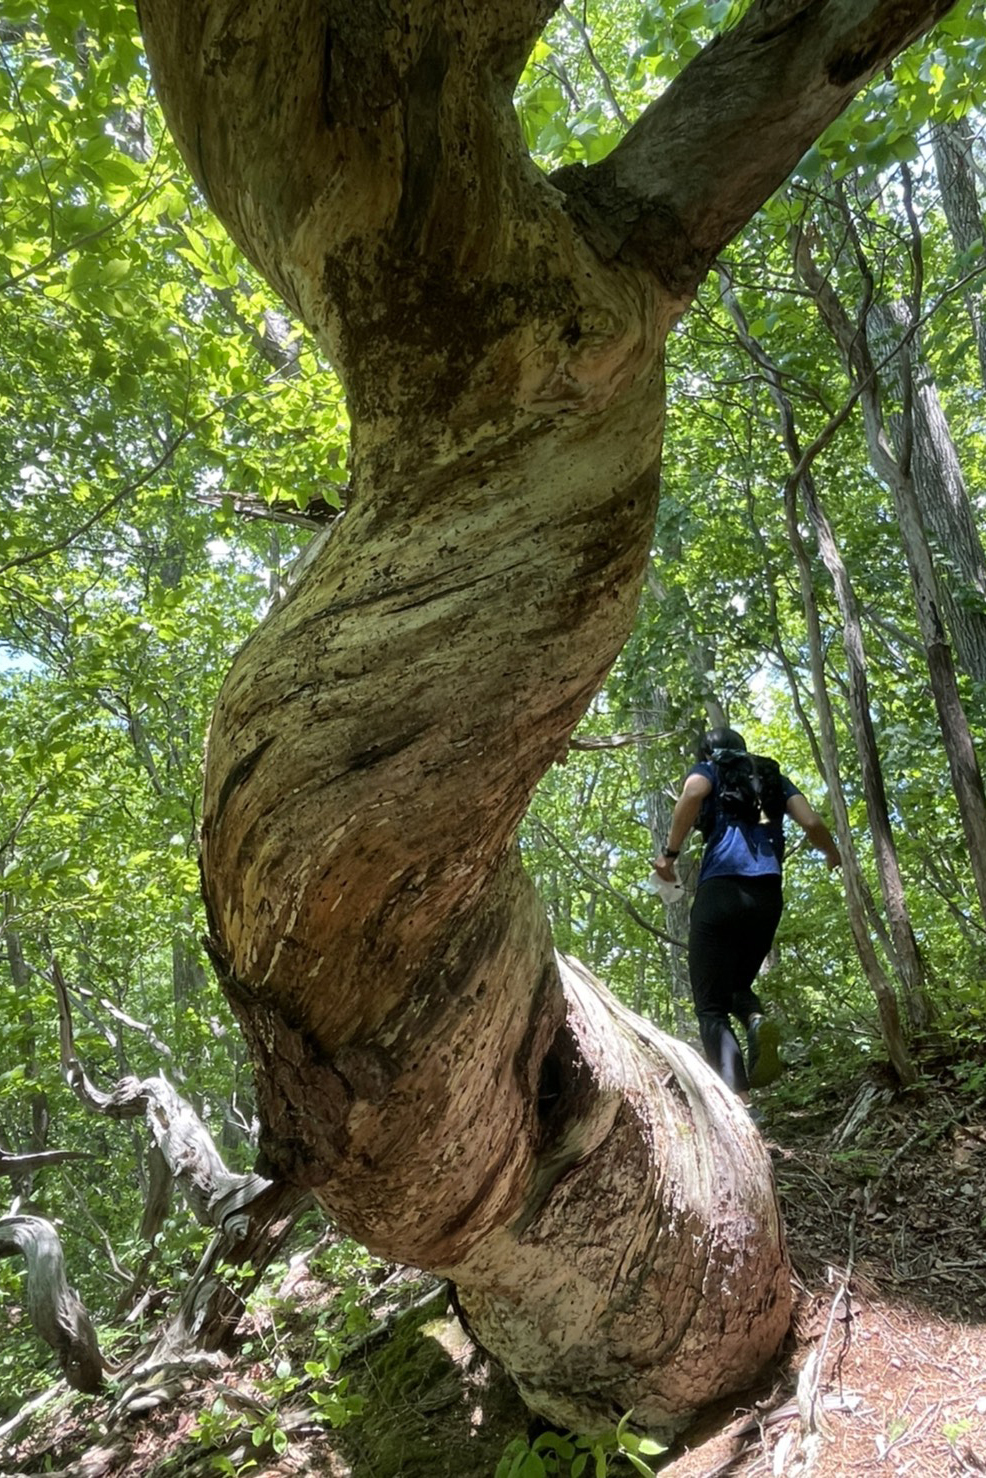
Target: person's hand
x,y
664,869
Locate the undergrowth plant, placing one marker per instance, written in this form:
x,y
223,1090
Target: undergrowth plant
x,y
572,1456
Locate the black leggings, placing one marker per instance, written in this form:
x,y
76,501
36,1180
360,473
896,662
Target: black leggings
x,y
732,926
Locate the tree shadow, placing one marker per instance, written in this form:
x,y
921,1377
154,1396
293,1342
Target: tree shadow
x,y
436,1405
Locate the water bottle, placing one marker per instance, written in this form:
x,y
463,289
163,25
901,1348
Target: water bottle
x,y
667,892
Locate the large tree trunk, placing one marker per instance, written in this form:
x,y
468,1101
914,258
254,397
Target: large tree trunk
x,y
454,1095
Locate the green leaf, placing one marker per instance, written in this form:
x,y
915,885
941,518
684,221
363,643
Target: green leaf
x,y
650,1447
553,1442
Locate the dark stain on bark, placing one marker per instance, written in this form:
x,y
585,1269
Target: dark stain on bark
x,y
844,69
457,963
326,88
385,750
364,78
239,775
621,226
546,987
302,1097
201,174
368,1071
422,137
423,299
565,1089
465,1213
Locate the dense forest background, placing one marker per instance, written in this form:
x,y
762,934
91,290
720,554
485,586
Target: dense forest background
x,y
170,444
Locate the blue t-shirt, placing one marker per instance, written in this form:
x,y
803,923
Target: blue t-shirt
x,y
735,848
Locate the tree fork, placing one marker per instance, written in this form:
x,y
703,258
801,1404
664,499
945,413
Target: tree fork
x,y
452,1093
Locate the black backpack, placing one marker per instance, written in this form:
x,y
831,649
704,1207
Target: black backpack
x,y
749,785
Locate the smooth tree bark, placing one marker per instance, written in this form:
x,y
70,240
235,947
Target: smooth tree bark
x,y
895,473
922,428
952,141
56,1312
859,904
457,1096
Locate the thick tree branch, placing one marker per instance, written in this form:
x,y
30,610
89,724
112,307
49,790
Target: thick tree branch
x,y
728,131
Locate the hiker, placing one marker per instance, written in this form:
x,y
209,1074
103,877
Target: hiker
x,y
738,801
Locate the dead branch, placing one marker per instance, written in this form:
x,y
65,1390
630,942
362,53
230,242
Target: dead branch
x,y
56,1312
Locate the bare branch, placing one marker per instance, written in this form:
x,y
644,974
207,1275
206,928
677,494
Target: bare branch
x,y
57,1315
16,1165
597,66
614,741
607,887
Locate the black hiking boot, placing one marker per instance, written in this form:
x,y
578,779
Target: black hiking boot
x,y
763,1038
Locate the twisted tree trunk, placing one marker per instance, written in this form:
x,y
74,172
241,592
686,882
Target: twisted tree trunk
x,y
56,1311
456,1096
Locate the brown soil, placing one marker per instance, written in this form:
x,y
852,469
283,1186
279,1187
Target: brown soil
x,y
885,1207
885,1204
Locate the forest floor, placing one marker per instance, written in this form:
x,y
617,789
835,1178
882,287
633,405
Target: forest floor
x,y
884,1197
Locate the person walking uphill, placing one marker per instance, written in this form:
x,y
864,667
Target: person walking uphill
x,y
738,801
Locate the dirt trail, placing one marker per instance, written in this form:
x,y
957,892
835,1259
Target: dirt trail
x,y
885,1206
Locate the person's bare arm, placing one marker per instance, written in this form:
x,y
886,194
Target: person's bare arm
x,y
683,818
815,829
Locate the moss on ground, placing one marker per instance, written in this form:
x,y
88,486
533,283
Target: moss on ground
x,y
436,1407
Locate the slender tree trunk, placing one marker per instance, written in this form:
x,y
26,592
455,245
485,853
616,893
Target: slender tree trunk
x,y
967,780
659,805
36,1139
188,978
907,959
857,892
938,482
952,141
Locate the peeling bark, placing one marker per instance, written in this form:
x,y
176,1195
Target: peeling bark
x,y
456,1097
